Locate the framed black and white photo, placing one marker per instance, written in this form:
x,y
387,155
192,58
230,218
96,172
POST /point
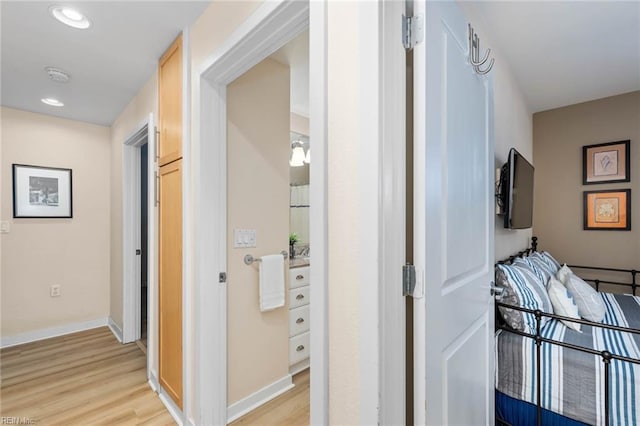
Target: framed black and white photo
x,y
41,192
606,163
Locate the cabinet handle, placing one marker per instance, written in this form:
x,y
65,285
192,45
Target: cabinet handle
x,y
300,297
299,277
300,348
156,190
299,320
157,144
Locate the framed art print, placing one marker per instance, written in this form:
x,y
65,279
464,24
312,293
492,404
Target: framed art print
x,y
606,163
607,210
41,192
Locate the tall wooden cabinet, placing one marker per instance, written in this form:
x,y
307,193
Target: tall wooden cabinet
x,y
170,221
170,103
170,249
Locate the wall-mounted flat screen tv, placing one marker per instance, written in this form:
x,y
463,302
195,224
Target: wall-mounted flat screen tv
x,y
516,182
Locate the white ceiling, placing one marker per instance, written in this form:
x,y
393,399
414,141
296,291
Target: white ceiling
x,y
108,63
295,54
565,52
560,52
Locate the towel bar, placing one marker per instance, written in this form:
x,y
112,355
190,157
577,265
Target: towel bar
x,y
249,259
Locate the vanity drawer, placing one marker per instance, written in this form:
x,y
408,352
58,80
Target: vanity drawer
x,y
298,320
298,277
299,297
298,348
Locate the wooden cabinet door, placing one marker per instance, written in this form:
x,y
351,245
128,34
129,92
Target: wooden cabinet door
x,y
170,280
170,103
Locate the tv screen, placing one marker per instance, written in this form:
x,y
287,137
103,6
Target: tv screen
x,y
517,187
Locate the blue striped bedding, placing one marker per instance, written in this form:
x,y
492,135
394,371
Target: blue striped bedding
x,y
572,381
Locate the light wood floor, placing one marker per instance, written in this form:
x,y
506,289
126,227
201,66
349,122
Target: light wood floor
x,y
289,409
84,378
89,378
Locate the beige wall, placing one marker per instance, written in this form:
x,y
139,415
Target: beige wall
x,y
258,198
345,228
558,138
128,122
73,253
512,129
206,35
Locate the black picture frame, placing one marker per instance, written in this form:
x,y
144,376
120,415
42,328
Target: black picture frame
x,y
42,192
617,217
593,172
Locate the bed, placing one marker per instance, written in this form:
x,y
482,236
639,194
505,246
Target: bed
x,y
549,374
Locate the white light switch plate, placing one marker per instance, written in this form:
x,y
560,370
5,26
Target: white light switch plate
x,y
243,238
5,227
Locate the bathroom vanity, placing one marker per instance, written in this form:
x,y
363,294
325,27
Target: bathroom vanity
x,y
298,315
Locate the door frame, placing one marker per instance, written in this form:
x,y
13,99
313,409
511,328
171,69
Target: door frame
x,y
269,28
131,234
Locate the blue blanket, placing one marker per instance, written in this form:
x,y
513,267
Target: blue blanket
x,y
573,381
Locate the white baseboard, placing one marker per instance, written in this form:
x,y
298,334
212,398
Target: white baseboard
x,y
171,406
301,366
153,382
256,399
117,331
47,333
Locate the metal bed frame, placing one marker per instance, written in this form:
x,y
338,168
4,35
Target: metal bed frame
x,y
539,340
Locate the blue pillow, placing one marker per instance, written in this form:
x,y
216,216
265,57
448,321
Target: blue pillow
x,y
524,289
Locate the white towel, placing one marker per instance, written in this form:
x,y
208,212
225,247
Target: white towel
x,y
271,282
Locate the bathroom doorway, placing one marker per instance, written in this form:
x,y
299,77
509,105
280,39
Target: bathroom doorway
x,y
268,332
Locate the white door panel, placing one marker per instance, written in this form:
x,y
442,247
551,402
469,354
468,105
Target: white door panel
x,y
454,225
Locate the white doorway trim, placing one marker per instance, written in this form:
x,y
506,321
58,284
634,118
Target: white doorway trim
x,y
269,28
318,213
131,286
131,234
131,227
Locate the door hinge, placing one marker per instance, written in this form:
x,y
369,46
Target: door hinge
x,y
222,277
408,279
412,31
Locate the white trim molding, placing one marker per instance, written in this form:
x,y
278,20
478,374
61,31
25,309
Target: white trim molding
x,y
131,226
47,333
115,329
189,372
171,406
258,398
318,213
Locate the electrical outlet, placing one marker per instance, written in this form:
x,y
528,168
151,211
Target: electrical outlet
x,y
4,227
54,290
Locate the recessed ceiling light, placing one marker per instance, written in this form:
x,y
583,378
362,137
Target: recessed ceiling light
x,y
57,75
70,17
52,101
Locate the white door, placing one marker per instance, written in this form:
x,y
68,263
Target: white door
x,y
454,225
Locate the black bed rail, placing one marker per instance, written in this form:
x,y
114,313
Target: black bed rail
x,y
633,284
539,339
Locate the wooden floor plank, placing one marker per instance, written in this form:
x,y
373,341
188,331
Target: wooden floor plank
x,y
289,409
85,378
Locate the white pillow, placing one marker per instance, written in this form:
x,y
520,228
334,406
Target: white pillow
x,y
562,303
563,274
590,304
